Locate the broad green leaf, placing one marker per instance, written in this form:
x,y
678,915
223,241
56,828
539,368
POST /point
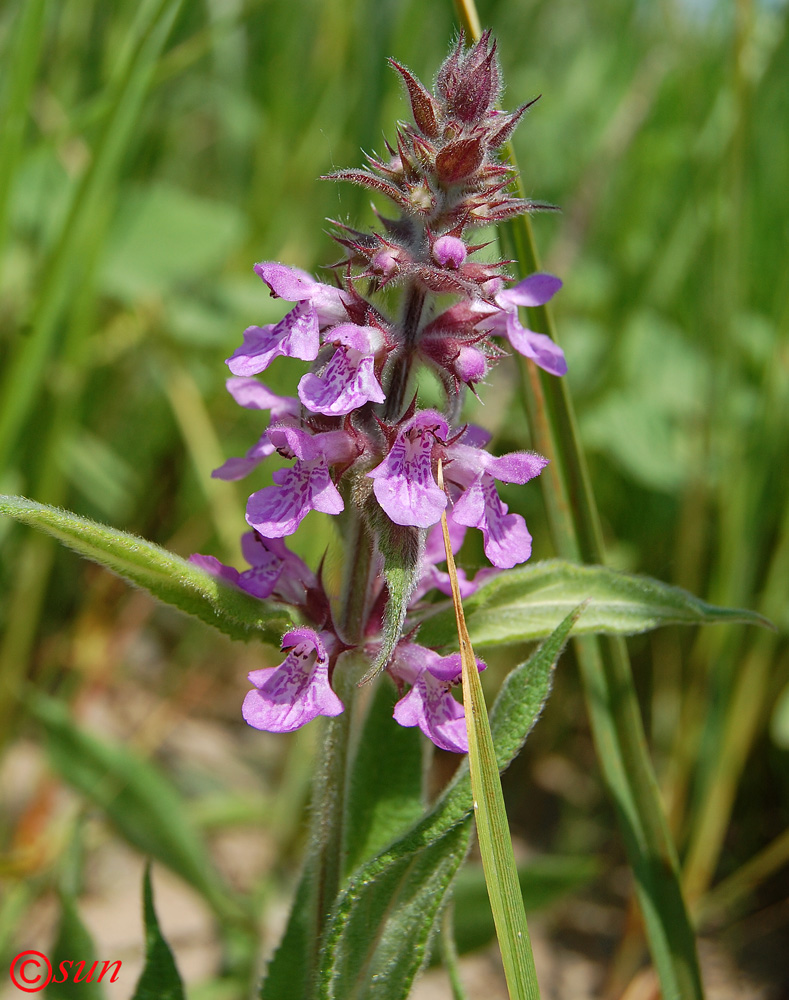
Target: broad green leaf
x,y
159,979
378,939
385,916
379,810
529,602
164,575
74,947
141,803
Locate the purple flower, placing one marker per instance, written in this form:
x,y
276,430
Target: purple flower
x,y
294,285
250,393
287,697
348,381
535,290
404,484
506,538
434,553
429,703
295,336
278,510
470,474
275,570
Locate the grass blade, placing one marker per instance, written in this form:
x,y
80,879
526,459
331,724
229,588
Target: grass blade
x,y
495,844
26,367
617,727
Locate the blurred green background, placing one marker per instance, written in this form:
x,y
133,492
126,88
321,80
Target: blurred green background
x,y
151,153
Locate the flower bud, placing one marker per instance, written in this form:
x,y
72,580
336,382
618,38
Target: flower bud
x,y
470,365
449,251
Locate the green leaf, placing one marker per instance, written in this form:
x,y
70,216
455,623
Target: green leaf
x,y
289,971
529,602
159,979
74,947
167,577
385,920
386,914
141,803
379,811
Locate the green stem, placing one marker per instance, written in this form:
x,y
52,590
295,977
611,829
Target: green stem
x,y
414,301
449,954
330,790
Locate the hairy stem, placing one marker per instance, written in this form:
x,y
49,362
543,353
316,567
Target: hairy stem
x,y
330,790
412,314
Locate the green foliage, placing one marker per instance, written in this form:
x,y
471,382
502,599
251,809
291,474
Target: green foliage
x,y
530,601
159,979
656,134
73,945
385,784
167,577
380,931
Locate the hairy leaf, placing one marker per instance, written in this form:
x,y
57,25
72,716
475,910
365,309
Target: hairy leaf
x,y
379,934
527,603
166,576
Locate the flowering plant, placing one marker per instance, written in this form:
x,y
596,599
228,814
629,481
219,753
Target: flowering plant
x,y
405,482
362,447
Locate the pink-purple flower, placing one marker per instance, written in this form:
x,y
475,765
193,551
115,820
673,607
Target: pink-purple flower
x,y
406,488
286,697
357,447
278,510
274,571
429,704
535,290
297,335
252,395
404,483
348,381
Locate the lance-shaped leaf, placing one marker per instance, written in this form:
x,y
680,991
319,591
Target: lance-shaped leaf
x,y
386,915
166,576
529,602
81,973
160,979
